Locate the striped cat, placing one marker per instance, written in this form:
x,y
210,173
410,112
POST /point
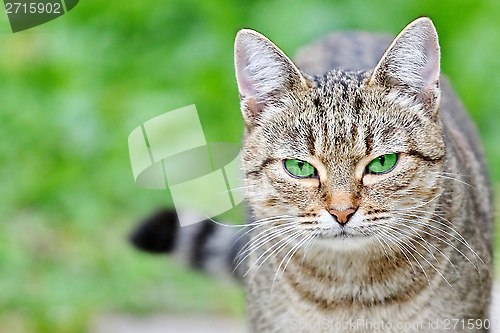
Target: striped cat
x,y
368,190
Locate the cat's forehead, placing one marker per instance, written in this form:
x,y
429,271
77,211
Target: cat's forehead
x,y
339,118
340,103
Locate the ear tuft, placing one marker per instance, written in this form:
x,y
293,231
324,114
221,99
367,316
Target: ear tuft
x,y
411,65
263,72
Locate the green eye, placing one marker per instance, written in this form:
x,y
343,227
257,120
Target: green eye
x,y
299,169
383,163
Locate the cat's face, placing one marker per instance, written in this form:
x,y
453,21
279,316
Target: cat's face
x,y
346,155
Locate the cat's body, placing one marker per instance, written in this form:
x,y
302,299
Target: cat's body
x,y
405,247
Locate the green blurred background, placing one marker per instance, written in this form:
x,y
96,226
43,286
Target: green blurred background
x,y
72,90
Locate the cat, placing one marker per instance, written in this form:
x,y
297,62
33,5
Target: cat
x,y
367,187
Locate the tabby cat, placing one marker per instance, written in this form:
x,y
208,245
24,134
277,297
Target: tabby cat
x,y
368,190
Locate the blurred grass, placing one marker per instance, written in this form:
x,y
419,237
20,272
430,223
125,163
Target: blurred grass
x,y
73,89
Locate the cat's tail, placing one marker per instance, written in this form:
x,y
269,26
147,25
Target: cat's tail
x,y
206,246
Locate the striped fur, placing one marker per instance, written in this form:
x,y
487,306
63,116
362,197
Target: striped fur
x,y
206,246
417,249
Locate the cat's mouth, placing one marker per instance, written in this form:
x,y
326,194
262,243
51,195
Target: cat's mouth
x,y
341,233
343,239
354,232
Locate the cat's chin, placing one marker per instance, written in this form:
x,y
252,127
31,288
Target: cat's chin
x,y
344,242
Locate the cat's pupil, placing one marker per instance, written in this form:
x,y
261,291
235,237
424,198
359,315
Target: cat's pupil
x,y
382,159
300,164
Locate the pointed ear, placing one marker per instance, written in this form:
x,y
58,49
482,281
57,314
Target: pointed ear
x,y
410,66
264,74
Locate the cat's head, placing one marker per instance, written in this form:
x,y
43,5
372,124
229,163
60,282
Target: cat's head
x,y
342,156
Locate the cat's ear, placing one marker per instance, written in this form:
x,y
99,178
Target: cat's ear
x,y
264,73
410,66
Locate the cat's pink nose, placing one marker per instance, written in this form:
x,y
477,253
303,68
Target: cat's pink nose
x,y
342,215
